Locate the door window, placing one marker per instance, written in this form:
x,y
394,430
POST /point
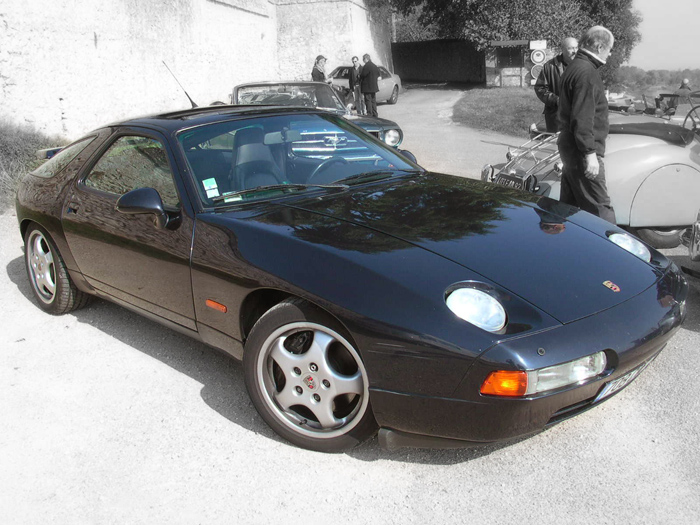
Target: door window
x,y
134,162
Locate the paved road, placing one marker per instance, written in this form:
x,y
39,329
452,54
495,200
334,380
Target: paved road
x,y
425,115
106,417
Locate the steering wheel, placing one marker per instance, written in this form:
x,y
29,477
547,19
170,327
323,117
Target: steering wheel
x,y
328,162
694,117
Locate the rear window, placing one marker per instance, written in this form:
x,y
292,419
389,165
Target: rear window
x,y
55,164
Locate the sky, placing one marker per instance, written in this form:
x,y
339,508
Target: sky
x,y
670,34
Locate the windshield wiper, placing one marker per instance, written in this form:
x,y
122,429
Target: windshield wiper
x,y
369,176
274,187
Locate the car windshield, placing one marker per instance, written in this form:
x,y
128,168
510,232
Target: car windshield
x,y
306,95
271,156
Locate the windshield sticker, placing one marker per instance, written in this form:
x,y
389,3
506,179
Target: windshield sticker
x,y
211,187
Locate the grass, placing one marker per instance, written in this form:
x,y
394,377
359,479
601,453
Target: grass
x,y
18,146
504,110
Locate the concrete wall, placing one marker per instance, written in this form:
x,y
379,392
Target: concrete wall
x,y
336,29
68,66
439,61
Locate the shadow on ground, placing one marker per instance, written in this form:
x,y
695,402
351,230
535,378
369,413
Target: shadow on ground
x,y
223,387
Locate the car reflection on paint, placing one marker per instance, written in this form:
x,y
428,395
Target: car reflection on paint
x,y
362,293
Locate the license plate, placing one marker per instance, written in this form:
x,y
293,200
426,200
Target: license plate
x,y
621,382
510,181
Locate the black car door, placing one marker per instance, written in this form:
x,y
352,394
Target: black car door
x,y
127,256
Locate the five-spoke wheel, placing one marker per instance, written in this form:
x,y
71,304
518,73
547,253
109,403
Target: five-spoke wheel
x,y
51,284
307,380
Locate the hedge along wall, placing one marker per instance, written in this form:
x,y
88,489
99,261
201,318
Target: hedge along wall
x,y
439,61
69,66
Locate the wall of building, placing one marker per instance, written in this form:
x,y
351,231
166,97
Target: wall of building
x,y
68,66
336,29
515,76
439,61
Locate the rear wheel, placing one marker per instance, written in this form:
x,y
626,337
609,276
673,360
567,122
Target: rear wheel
x,y
52,286
394,95
659,238
692,119
307,380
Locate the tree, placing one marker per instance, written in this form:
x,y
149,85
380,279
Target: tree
x,y
482,21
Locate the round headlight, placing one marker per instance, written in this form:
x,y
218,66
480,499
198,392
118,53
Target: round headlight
x,y
632,245
392,137
478,308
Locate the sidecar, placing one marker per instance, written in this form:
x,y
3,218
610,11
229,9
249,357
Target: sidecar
x,y
652,172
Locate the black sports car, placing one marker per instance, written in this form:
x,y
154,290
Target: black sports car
x,y
360,291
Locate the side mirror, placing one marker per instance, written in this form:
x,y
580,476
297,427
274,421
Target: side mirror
x,y
410,156
141,201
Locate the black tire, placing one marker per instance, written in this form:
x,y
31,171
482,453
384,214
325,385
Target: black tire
x,y
394,95
659,238
307,380
53,288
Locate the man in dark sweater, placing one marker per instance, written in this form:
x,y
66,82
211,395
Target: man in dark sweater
x,y
369,83
583,121
547,85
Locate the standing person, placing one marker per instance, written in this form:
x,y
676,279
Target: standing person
x,y
547,85
318,73
583,119
354,85
684,92
369,83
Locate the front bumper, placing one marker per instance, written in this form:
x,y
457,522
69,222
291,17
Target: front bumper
x,y
631,334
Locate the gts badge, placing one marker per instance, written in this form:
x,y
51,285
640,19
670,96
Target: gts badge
x,y
611,285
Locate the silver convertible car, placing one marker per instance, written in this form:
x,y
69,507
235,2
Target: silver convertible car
x,y
652,167
314,95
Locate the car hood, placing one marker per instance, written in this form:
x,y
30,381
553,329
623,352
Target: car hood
x,y
371,122
552,255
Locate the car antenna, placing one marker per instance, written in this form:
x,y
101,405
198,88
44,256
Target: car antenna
x,y
178,83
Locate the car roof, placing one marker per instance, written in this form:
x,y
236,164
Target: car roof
x,y
176,120
281,82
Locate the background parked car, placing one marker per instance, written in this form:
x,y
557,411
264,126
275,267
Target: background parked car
x,y
652,173
389,83
314,95
691,239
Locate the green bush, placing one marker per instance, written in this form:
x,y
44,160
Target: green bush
x,y
505,110
18,147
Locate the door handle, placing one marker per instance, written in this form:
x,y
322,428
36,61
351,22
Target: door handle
x,y
73,207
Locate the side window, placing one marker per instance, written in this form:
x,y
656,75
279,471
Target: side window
x,y
134,162
53,166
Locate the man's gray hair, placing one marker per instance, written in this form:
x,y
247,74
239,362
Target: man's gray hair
x,y
597,36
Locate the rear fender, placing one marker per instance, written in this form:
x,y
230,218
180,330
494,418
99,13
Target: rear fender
x,y
666,197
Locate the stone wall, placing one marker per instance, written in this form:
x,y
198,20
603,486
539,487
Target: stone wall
x,y
68,66
336,29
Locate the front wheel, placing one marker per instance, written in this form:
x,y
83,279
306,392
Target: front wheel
x,y
307,380
659,238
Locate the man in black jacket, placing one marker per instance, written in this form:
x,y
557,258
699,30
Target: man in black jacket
x,y
369,83
547,85
354,85
583,117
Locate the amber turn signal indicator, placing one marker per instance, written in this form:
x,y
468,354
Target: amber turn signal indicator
x,y
217,306
505,383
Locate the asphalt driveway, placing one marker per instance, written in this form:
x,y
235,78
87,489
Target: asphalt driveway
x,y
106,417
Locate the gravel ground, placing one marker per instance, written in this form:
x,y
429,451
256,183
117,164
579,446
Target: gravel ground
x,y
106,417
